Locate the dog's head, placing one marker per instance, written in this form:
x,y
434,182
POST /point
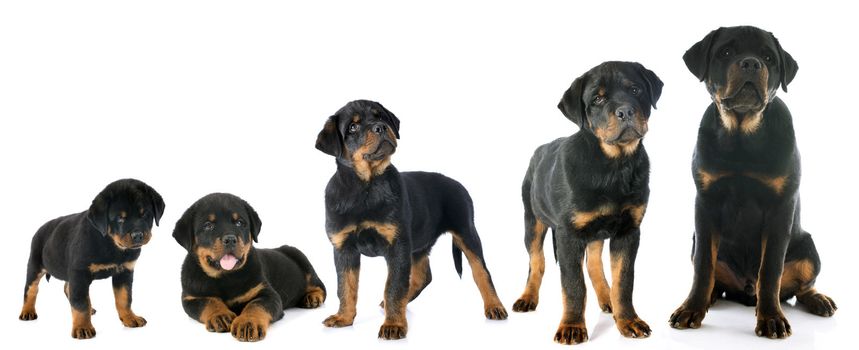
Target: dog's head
x,y
742,68
124,212
218,230
363,136
612,101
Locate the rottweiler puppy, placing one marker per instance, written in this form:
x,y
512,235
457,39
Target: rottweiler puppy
x,y
748,243
103,241
375,210
590,187
228,284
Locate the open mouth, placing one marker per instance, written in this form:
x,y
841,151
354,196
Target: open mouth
x,y
746,98
384,149
226,262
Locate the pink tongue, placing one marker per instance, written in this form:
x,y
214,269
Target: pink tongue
x,y
228,262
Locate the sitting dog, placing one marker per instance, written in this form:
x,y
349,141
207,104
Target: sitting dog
x,y
103,241
748,244
374,210
590,187
230,286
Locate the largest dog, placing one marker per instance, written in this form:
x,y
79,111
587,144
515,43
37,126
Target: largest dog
x,y
372,209
590,187
748,243
103,241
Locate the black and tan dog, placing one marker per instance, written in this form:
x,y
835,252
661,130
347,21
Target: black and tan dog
x,y
103,241
748,244
590,187
374,210
230,286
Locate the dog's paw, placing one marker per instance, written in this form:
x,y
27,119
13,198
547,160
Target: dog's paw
x,y
496,312
818,304
249,328
313,299
569,334
526,303
28,315
392,331
773,327
83,332
220,322
133,321
685,317
338,320
633,328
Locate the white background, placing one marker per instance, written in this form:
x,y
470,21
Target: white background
x,y
194,97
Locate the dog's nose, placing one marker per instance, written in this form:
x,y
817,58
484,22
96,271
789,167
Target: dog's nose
x,y
230,240
137,237
624,112
379,128
750,65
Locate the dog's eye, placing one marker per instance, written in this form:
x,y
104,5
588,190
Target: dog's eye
x,y
208,226
635,91
598,99
768,58
353,128
725,52
240,222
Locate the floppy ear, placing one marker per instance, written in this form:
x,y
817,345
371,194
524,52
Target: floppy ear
x,y
183,233
787,65
255,221
390,119
97,213
156,202
571,103
697,58
654,84
329,139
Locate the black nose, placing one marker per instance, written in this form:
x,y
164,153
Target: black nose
x,y
750,65
379,128
229,240
624,112
137,237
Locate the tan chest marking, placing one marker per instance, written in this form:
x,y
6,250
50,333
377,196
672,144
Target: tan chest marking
x,y
386,230
581,219
115,268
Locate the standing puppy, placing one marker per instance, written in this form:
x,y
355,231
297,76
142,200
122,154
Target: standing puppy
x,y
98,243
230,286
374,210
590,187
748,243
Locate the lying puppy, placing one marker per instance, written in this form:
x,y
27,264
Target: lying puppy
x,y
103,241
748,243
590,187
374,210
224,275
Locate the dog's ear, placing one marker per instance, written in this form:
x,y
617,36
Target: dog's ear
x,y
155,202
654,84
572,104
787,65
183,233
389,118
97,213
697,58
255,222
329,139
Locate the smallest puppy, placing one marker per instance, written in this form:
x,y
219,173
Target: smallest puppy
x,y
230,286
103,241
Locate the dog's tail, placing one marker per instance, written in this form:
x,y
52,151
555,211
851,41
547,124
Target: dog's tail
x,y
47,277
554,246
457,260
